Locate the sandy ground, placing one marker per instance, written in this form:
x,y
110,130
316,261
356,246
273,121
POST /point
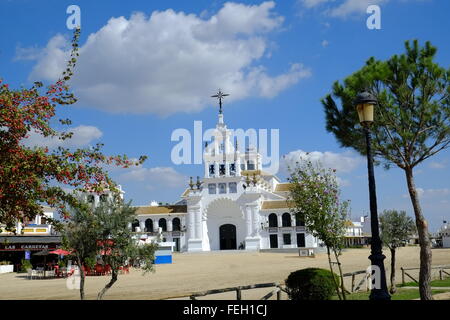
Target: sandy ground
x,y
203,271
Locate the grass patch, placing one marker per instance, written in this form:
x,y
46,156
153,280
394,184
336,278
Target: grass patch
x,y
401,294
434,283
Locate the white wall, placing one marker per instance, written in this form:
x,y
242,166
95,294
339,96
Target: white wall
x,y
224,211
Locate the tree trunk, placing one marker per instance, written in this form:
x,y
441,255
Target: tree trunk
x,y
109,285
424,240
336,285
82,277
393,286
340,274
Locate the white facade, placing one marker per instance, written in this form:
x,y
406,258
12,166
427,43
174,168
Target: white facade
x,y
444,234
236,205
38,226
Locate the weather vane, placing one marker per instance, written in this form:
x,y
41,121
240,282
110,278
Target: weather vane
x,y
220,95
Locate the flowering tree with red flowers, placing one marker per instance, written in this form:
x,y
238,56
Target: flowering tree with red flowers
x,y
33,176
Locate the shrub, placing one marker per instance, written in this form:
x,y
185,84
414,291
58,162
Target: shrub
x,y
4,263
26,264
311,284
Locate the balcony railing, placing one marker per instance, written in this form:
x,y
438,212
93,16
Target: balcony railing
x,y
293,228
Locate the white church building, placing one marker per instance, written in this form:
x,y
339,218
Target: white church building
x,y
236,205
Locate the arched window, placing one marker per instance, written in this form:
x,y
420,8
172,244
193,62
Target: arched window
x,y
91,198
273,220
149,225
134,225
163,224
286,219
176,224
103,197
298,221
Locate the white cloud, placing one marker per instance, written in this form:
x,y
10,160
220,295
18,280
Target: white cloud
x,y
51,60
82,135
325,43
172,62
342,162
349,7
431,193
156,177
343,8
438,165
312,3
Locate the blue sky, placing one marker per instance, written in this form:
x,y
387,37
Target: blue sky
x,y
149,68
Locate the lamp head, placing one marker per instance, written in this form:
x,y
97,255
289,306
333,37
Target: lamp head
x,y
364,104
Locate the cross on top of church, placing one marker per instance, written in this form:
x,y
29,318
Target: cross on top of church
x,y
220,95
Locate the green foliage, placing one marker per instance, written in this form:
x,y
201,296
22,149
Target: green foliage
x,y
396,228
90,262
311,284
401,294
315,195
26,264
62,263
114,218
412,118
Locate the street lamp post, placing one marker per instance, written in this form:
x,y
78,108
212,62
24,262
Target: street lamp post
x,y
364,105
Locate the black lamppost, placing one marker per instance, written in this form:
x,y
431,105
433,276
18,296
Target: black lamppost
x,y
364,103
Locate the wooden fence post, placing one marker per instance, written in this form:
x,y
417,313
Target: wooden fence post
x,y
440,274
403,275
238,294
353,282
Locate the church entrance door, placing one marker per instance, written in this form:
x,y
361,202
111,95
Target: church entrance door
x,y
227,237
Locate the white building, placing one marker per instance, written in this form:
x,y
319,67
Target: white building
x,y
354,233
38,226
444,235
236,205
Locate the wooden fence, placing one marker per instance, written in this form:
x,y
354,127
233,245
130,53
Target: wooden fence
x,y
364,279
278,289
440,268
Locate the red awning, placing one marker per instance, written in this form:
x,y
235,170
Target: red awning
x,y
60,252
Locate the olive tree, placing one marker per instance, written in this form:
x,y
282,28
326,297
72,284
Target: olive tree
x,y
396,228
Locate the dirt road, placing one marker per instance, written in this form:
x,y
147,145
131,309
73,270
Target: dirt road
x,y
202,271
